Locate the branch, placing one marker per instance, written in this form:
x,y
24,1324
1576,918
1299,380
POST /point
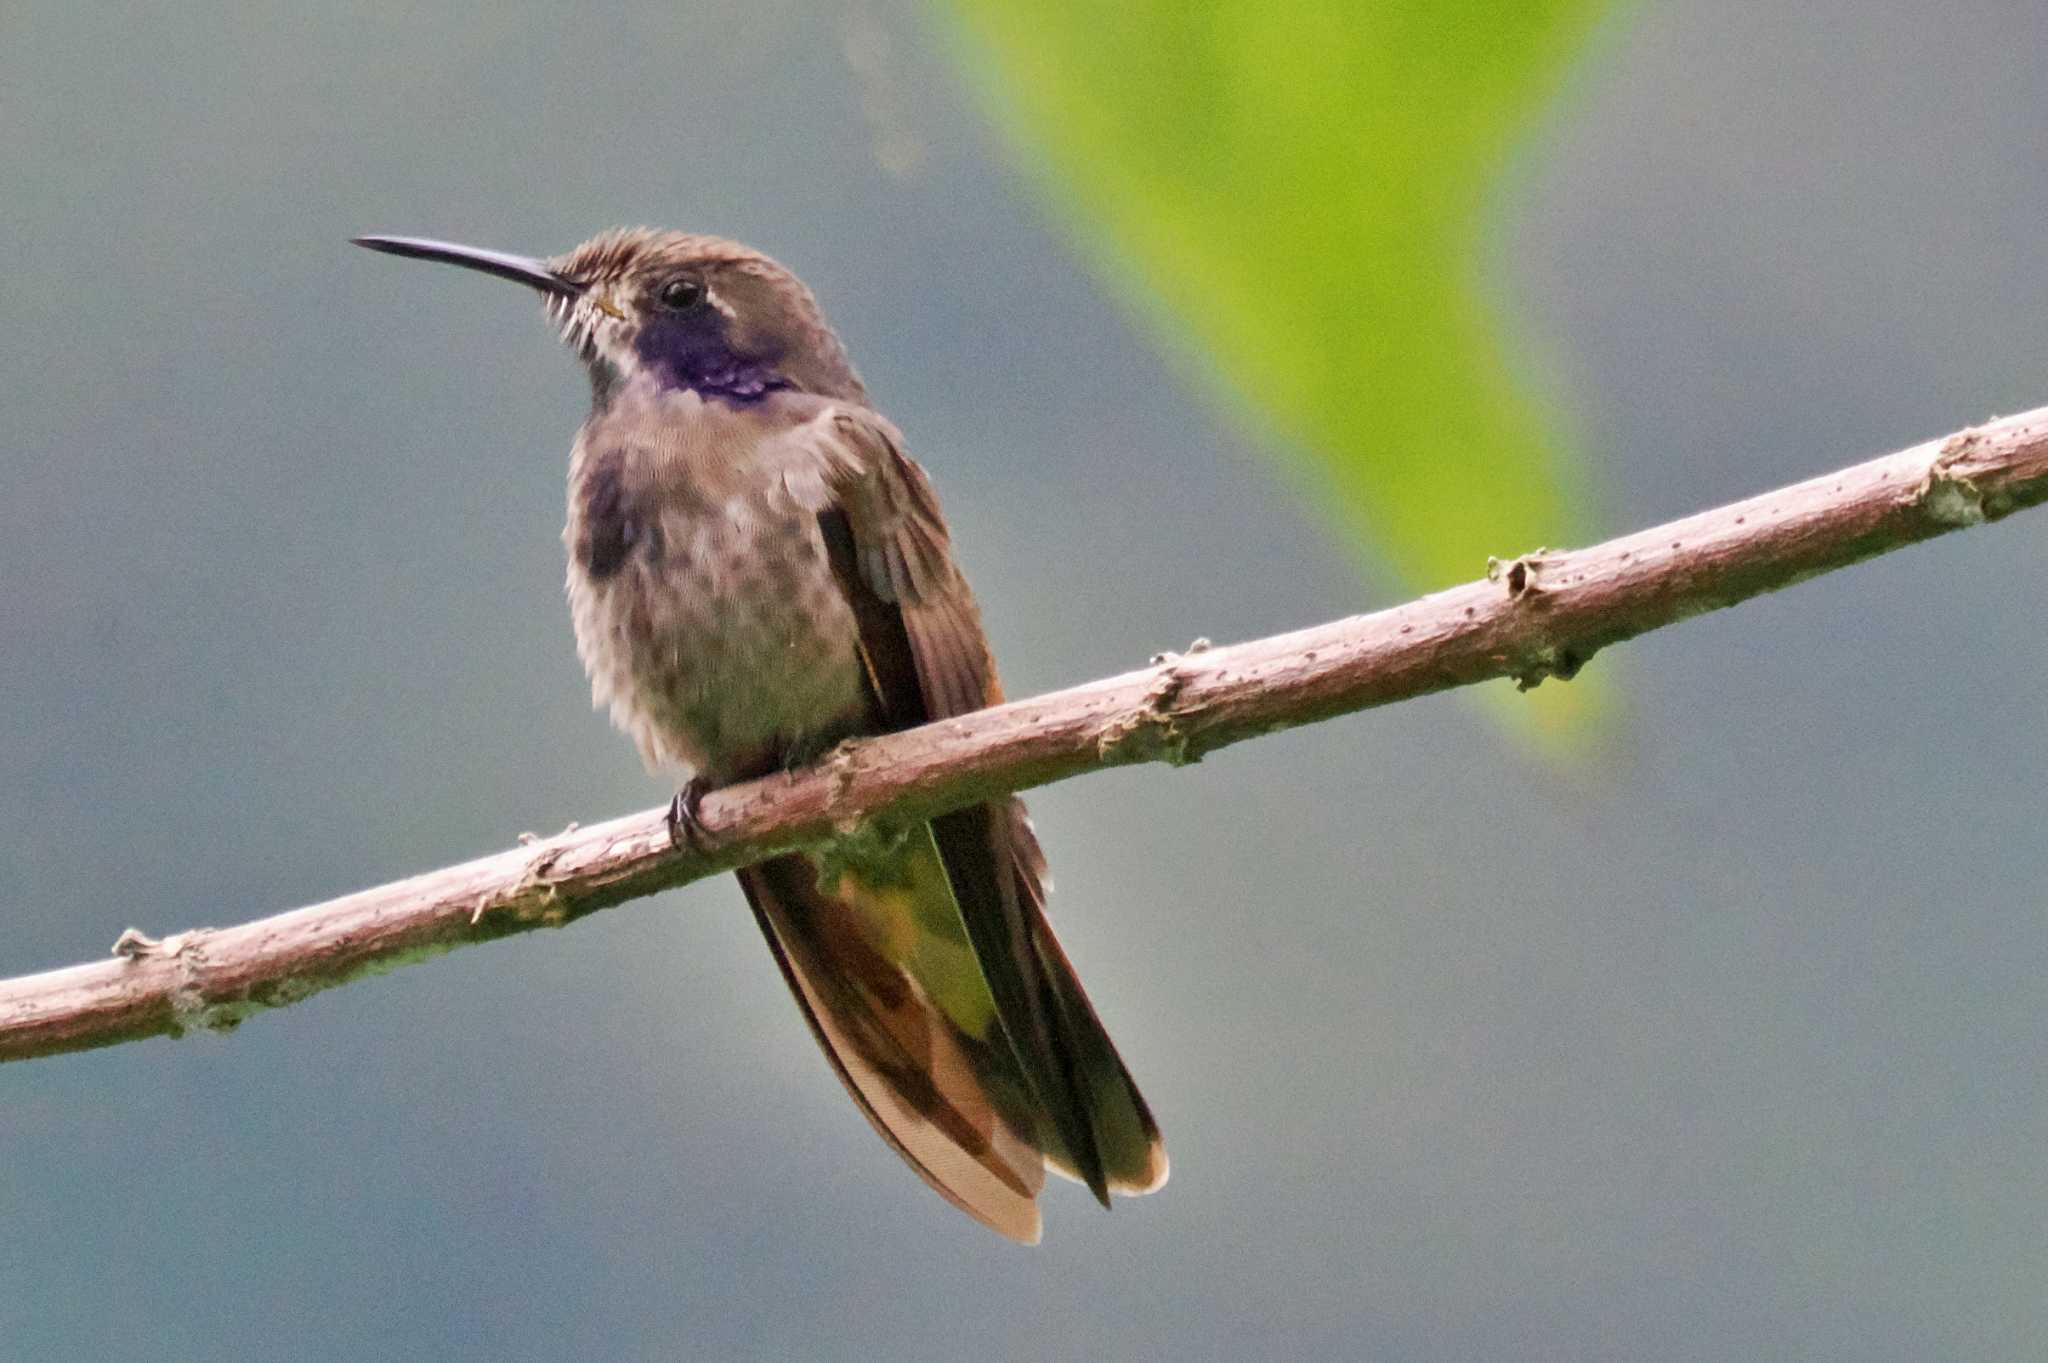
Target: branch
x,y
1542,615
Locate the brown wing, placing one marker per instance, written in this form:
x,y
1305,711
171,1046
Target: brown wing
x,y
1133,1155
928,659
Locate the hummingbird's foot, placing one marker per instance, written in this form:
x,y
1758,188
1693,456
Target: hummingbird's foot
x,y
684,827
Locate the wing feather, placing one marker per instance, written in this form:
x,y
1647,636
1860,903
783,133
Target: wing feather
x,y
929,659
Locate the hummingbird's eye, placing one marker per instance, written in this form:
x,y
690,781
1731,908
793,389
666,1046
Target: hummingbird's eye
x,y
682,294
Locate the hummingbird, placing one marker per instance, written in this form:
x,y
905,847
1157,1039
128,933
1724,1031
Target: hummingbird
x,y
757,572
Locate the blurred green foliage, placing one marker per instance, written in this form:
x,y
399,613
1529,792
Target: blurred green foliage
x,y
1293,194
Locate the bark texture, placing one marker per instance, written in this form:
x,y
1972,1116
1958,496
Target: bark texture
x,y
1542,615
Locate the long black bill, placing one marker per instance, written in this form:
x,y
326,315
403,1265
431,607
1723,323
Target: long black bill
x,y
519,269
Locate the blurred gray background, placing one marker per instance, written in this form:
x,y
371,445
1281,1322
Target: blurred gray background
x,y
1726,1044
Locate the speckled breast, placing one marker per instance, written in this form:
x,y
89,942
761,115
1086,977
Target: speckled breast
x,y
705,608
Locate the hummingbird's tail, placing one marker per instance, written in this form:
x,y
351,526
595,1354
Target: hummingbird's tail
x,y
944,1098
881,964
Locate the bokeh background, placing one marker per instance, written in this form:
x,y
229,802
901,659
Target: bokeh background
x,y
1723,1039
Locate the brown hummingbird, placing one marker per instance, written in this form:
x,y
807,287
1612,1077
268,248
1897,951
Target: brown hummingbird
x,y
757,571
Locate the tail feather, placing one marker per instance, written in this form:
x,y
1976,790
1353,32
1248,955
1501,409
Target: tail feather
x,y
899,990
916,1077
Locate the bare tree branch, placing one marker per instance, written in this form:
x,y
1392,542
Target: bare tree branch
x,y
1541,615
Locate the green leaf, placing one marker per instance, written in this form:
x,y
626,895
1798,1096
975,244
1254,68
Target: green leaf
x,y
1294,194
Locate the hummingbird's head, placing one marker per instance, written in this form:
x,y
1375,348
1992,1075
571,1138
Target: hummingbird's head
x,y
674,310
